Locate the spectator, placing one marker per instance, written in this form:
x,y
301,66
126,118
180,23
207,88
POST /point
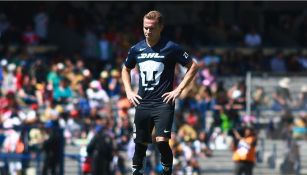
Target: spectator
x,y
299,128
54,76
8,102
87,79
83,102
63,94
193,167
259,96
29,37
252,38
260,99
104,78
80,67
41,21
286,126
292,158
13,144
187,132
282,97
4,24
218,140
52,149
19,74
105,49
200,145
204,98
219,102
208,77
98,98
36,139
303,97
39,71
50,112
236,102
90,42
303,61
211,60
100,149
27,92
244,154
114,84
293,64
9,81
278,63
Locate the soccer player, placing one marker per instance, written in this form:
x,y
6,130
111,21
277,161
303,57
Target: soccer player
x,y
156,58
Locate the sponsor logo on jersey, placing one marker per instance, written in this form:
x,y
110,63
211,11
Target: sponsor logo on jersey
x,y
150,55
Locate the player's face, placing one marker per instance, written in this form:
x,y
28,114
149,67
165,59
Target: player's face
x,y
152,29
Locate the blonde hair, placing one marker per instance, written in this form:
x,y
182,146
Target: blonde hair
x,y
155,15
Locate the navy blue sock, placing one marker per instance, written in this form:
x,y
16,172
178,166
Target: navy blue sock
x,y
166,157
138,158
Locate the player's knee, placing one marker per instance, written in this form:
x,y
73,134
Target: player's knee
x,y
162,139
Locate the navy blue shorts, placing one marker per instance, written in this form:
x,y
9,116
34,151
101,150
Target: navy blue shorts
x,y
147,118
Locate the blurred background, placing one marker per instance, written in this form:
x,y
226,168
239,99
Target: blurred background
x,y
60,81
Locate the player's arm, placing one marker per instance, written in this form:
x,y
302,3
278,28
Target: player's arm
x,y
192,68
131,95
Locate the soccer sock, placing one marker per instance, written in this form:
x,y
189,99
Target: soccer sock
x,y
138,158
166,157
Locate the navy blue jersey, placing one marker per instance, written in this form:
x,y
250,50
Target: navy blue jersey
x,y
156,68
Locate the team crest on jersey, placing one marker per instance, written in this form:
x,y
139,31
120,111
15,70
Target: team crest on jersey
x,y
150,55
150,72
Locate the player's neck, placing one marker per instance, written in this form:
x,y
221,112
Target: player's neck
x,y
152,42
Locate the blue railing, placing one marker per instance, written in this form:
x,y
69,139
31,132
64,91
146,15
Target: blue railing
x,y
28,156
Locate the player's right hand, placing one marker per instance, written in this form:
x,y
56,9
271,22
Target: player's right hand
x,y
133,98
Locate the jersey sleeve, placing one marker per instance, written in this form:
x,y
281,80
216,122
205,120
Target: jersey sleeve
x,y
182,56
131,59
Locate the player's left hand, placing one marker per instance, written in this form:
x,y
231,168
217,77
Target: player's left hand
x,y
171,96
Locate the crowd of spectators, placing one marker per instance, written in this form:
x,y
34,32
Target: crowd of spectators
x,y
83,90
